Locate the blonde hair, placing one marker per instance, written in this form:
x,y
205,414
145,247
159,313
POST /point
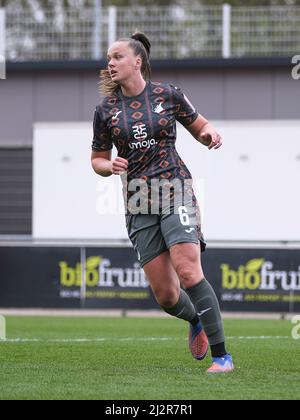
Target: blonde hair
x,y
140,45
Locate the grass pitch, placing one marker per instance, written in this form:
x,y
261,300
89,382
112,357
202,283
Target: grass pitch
x,y
133,358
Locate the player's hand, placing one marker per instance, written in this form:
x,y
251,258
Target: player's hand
x,y
212,139
119,166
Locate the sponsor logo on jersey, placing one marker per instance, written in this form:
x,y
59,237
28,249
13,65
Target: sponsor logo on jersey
x,y
140,132
146,144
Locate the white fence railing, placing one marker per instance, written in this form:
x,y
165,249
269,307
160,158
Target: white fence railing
x,y
2,44
175,32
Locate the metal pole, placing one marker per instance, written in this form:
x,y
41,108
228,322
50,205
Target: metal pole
x,y
97,30
83,277
2,45
292,302
226,31
112,25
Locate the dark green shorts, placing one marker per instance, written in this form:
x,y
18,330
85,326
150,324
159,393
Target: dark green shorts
x,y
153,234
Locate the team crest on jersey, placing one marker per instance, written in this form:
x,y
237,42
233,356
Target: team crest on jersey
x,y
158,108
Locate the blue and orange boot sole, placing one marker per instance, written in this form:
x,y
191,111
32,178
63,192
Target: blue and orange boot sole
x,y
198,342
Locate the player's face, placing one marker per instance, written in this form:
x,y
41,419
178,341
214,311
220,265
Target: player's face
x,y
122,63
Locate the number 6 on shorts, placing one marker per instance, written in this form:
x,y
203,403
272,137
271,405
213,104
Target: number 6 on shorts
x,y
184,217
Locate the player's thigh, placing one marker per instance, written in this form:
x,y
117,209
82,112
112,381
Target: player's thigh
x,y
182,233
145,235
163,279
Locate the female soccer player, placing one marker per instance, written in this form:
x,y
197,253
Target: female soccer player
x,y
139,117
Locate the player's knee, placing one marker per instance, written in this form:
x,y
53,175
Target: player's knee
x,y
189,274
167,299
186,275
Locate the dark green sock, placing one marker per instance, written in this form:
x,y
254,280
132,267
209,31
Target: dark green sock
x,y
184,309
207,306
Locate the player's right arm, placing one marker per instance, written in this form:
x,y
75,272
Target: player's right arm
x,y
102,149
104,166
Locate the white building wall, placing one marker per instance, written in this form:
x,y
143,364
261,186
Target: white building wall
x,y
247,190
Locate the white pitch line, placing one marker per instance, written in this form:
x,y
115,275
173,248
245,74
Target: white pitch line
x,y
263,337
128,339
84,340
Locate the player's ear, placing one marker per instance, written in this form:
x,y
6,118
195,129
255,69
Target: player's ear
x,y
138,62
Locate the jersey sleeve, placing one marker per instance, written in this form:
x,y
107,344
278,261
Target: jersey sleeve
x,y
185,112
102,140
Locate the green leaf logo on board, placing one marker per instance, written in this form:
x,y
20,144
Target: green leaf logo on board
x,y
92,263
255,265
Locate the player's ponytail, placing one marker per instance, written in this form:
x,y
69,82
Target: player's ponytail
x,y
141,46
141,37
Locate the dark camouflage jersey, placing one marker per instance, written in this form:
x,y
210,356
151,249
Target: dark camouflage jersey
x,y
143,129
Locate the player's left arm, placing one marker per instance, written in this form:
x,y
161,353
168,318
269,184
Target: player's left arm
x,y
205,133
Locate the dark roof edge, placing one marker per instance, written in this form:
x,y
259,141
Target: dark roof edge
x,y
187,64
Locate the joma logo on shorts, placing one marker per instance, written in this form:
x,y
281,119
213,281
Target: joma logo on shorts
x,y
146,144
